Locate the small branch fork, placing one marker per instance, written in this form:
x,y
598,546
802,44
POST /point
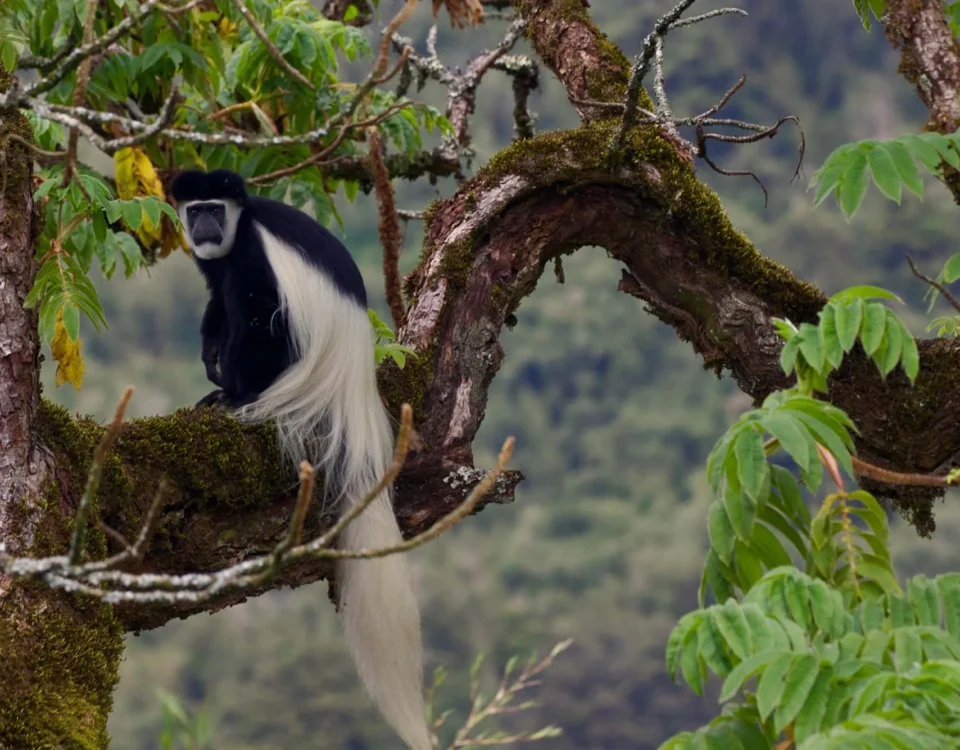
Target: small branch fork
x,y
462,87
633,115
104,580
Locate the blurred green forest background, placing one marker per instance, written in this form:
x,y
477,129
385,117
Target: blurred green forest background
x,y
613,415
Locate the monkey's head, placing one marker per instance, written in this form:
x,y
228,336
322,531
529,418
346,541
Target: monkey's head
x,y
209,205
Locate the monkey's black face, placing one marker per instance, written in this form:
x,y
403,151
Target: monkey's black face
x,y
206,222
211,226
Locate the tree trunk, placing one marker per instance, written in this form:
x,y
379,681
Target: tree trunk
x,y
59,653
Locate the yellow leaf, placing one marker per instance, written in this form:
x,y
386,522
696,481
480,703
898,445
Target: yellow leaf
x,y
171,239
70,365
137,178
227,29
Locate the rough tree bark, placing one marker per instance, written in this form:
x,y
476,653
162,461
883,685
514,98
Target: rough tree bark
x,y
59,653
485,250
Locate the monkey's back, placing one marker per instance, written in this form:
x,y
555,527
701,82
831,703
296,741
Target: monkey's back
x,y
315,242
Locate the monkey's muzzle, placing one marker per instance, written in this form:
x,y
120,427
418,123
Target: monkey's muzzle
x,y
206,229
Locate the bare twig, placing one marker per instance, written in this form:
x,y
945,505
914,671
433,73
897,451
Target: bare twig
x,y
39,154
462,88
321,156
886,476
935,284
135,551
770,132
79,95
391,236
271,47
640,67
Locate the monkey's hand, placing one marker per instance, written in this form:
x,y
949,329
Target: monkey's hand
x,y
211,357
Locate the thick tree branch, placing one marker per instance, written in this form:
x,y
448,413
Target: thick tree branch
x,y
230,497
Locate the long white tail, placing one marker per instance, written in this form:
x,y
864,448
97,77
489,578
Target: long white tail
x,y
327,410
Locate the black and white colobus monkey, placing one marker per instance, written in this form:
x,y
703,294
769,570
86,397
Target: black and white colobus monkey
x,y
287,323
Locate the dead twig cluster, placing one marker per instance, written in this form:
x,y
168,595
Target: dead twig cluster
x,y
462,87
632,114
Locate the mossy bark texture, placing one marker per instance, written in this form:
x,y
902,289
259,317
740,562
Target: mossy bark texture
x,y
58,654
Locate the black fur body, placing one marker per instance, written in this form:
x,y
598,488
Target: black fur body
x,y
245,339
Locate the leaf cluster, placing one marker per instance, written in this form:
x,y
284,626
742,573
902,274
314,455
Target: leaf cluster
x,y
802,663
812,352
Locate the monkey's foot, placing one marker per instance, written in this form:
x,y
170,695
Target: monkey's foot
x,y
218,397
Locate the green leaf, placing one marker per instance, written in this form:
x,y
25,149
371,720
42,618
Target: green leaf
x,y
722,536
814,708
943,146
848,319
710,647
828,333
923,596
829,438
675,642
788,356
901,613
744,671
874,325
71,321
769,549
853,184
875,647
884,172
908,651
716,575
905,165
792,436
749,569
880,572
741,510
732,625
760,628
950,598
870,692
950,273
797,686
864,292
771,685
796,596
822,606
132,214
752,468
773,516
811,346
894,346
910,357
151,208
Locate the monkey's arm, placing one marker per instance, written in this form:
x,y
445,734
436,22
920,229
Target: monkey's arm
x,y
210,326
